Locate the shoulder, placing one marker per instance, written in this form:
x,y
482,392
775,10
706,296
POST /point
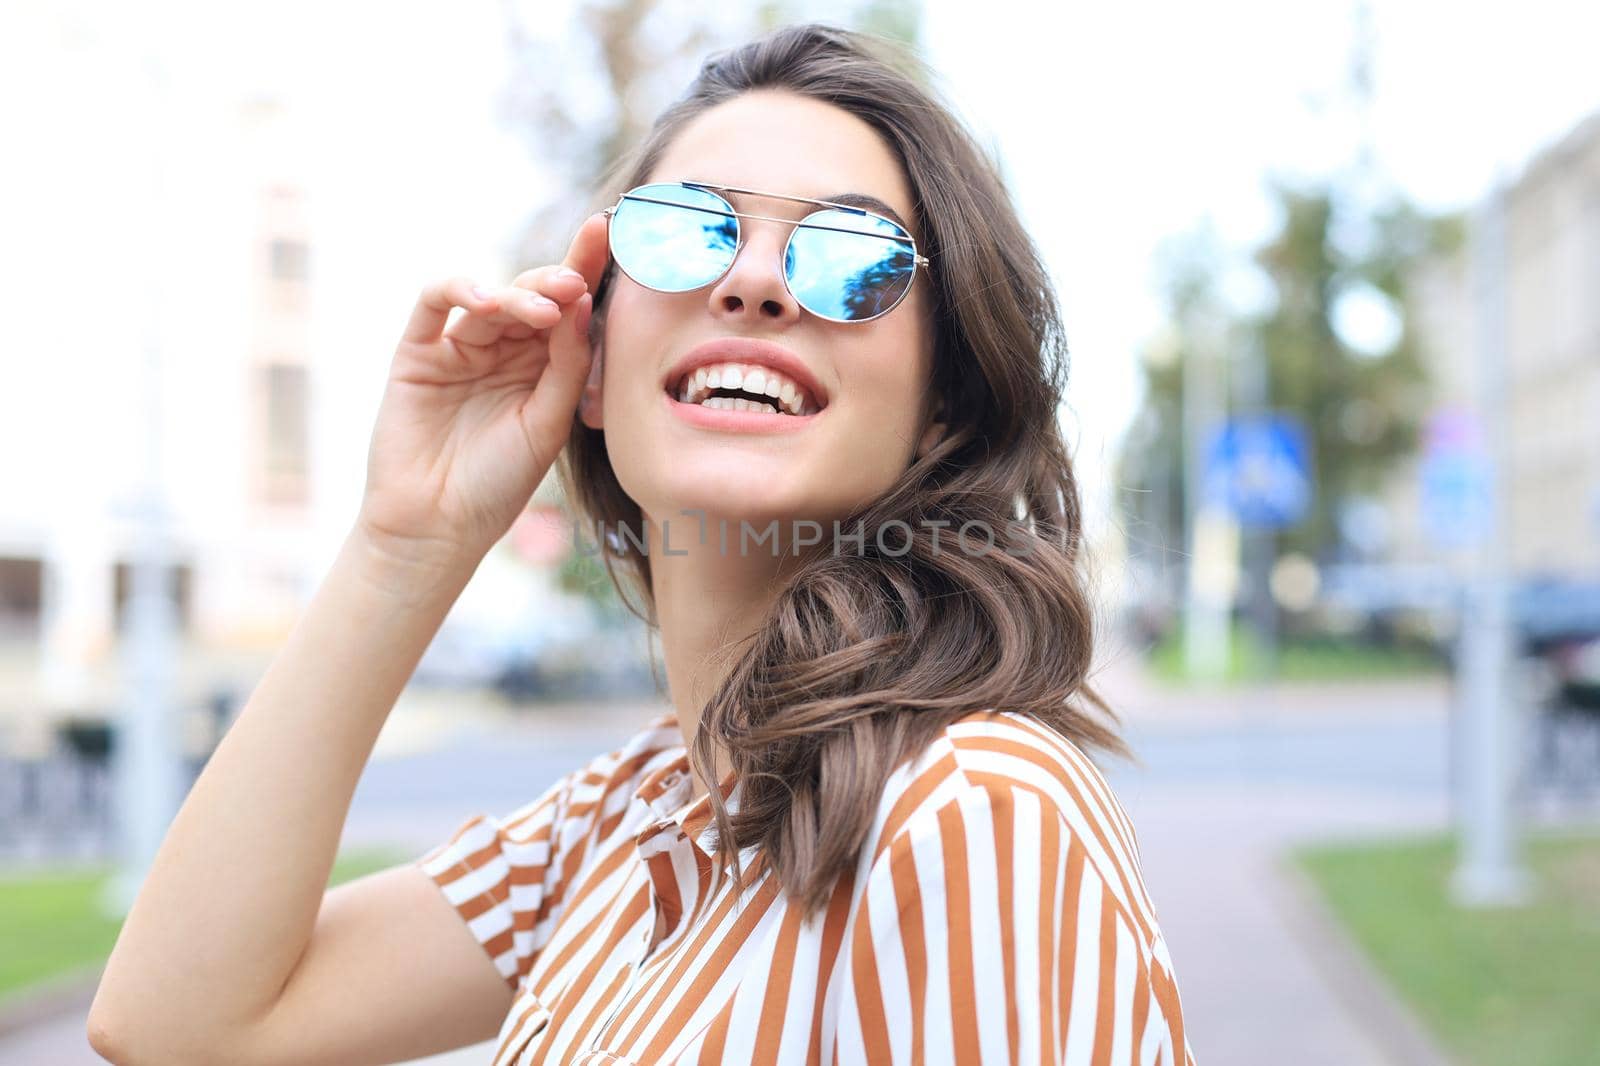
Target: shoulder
x,y
570,806
996,754
999,778
657,742
591,788
1000,857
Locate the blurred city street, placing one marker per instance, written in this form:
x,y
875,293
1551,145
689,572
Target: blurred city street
x,y
1311,296
1231,777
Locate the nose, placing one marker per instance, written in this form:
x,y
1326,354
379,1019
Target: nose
x,y
753,287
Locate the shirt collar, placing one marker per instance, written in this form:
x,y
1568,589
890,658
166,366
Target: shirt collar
x,y
665,791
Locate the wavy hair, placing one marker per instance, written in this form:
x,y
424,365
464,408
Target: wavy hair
x,y
865,658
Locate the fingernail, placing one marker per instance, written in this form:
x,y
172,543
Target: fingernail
x,y
535,300
480,293
568,272
585,306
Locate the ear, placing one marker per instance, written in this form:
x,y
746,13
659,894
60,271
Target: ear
x,y
589,405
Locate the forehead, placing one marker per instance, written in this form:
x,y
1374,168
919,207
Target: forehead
x,y
782,142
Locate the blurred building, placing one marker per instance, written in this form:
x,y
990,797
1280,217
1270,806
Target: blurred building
x,y
205,327
1553,376
208,242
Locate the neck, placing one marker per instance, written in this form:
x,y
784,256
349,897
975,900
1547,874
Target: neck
x,y
708,600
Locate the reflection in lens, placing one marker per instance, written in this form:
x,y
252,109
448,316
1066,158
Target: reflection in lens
x,y
849,276
674,246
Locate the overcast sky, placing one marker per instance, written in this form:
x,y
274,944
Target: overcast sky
x,y
1119,125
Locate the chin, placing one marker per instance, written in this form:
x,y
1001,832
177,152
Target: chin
x,y
736,502
725,502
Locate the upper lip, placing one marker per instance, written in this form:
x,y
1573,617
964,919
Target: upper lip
x,y
746,350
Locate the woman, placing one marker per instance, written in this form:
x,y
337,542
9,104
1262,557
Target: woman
x,y
815,365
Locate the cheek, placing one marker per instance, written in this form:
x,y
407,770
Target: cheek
x,y
885,393
626,348
897,365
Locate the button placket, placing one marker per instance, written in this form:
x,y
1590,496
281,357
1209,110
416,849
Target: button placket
x,y
635,965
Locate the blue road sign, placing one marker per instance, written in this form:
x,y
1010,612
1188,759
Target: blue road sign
x,y
1259,468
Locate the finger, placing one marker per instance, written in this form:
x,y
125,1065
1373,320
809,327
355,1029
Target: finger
x,y
555,398
590,249
438,299
562,284
513,307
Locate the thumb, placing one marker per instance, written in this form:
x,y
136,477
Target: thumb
x,y
549,411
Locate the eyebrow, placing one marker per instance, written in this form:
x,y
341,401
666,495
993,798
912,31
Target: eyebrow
x,y
871,203
852,199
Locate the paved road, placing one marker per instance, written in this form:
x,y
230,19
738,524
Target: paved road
x,y
1229,779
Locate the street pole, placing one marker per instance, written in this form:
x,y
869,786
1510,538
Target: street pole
x,y
1252,396
1489,870
1206,609
147,765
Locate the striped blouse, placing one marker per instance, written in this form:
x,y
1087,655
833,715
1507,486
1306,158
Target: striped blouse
x,y
998,917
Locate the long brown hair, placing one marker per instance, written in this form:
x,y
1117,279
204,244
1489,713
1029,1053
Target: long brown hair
x,y
866,657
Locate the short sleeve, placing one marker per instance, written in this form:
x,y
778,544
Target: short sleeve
x,y
507,876
984,935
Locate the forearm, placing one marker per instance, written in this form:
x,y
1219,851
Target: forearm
x,y
232,896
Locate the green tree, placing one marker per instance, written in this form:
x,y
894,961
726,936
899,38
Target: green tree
x,y
1361,407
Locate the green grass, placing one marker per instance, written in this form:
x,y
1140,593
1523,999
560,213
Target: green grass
x,y
52,925
1325,659
1498,987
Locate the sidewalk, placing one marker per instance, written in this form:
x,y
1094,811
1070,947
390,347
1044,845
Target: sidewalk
x,y
1265,975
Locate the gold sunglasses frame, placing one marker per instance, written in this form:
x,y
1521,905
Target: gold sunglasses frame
x,y
917,258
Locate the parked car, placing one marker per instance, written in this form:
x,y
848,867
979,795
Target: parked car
x,y
468,653
603,662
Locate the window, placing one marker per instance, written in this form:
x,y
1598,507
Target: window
x,y
21,596
286,444
288,260
178,585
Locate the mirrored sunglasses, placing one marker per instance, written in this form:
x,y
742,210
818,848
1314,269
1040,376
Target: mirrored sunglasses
x,y
841,263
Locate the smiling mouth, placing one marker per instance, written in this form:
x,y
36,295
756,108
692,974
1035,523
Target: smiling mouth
x,y
738,387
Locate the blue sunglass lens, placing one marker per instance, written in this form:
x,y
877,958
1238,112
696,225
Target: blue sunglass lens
x,y
673,237
847,266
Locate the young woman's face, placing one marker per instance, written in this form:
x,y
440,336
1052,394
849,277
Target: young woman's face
x,y
873,376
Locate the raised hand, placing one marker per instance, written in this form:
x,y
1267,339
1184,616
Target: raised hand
x,y
476,411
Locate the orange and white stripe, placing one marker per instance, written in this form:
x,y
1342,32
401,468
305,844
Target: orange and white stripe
x,y
999,917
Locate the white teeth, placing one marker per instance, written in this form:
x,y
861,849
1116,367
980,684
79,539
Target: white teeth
x,y
734,403
787,397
